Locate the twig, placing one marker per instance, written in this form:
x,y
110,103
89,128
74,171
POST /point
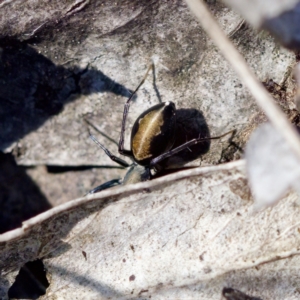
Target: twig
x,y
263,99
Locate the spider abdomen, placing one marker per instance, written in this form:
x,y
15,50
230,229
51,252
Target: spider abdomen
x,y
153,133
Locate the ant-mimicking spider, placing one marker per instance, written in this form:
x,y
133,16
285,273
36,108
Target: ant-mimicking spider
x,y
152,138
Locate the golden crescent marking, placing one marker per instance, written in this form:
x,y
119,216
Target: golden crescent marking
x,y
149,126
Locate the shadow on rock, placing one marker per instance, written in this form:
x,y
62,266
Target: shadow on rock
x,y
33,88
20,197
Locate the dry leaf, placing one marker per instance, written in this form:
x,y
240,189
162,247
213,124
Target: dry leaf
x,y
185,230
272,166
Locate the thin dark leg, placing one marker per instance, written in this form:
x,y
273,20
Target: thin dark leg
x,y
98,130
116,159
125,113
105,186
161,157
154,84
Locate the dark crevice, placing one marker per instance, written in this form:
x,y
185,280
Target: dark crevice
x,y
63,169
31,282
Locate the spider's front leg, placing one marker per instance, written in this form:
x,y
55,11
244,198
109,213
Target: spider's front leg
x,y
125,114
105,186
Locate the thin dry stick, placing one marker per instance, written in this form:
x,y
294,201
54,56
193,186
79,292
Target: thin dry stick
x,y
263,99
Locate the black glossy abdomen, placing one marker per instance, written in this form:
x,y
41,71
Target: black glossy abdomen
x,y
153,132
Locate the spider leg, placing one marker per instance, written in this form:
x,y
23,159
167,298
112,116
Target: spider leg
x,y
114,158
105,186
125,113
171,152
89,123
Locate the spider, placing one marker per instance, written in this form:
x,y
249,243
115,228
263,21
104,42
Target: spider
x,y
152,138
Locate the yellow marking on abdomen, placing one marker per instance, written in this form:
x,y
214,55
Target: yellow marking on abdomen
x,y
149,127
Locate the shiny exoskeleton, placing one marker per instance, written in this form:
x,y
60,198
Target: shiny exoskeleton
x,y
152,138
153,133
